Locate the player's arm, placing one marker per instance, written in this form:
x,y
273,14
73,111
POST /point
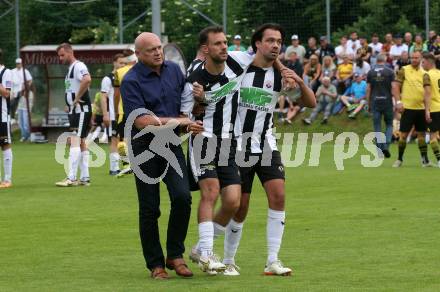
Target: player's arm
x,y
368,95
396,87
105,113
83,87
427,97
5,91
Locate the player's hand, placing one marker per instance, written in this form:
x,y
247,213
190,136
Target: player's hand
x,y
428,117
399,107
184,121
77,101
198,92
196,127
106,119
66,109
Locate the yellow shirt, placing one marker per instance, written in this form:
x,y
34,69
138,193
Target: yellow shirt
x,y
345,70
434,76
119,75
413,81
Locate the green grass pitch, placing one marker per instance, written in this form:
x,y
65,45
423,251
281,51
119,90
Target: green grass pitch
x,y
374,229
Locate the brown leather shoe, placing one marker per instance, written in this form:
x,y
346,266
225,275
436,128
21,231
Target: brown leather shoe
x,y
159,273
179,266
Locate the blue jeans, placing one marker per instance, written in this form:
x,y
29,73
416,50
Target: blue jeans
x,y
377,124
23,121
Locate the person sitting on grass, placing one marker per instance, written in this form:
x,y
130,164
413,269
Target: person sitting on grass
x,y
326,96
354,96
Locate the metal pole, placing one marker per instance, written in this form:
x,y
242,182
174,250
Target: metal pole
x,y
225,19
121,24
156,21
327,9
427,18
17,28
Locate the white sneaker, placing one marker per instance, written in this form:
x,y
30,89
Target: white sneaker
x,y
426,164
232,270
438,163
211,264
397,163
194,255
277,269
67,183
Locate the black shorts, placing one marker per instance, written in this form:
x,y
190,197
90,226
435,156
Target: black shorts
x,y
99,120
80,123
5,133
221,167
120,129
265,173
412,118
434,126
112,129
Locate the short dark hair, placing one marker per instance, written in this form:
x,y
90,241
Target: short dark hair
x,y
258,34
127,53
430,57
65,46
204,33
117,56
374,35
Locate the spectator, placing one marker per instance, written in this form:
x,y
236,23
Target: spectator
x,y
365,49
343,74
237,44
312,71
387,47
296,47
326,96
407,39
418,45
312,49
361,67
436,51
354,97
325,49
295,64
343,50
431,40
403,61
328,68
353,42
376,48
18,87
397,49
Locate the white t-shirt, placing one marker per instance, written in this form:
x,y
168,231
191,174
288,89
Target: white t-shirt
x,y
377,48
18,80
107,87
77,70
357,44
362,71
341,50
7,84
397,50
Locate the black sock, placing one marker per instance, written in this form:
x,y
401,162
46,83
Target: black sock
x,y
423,149
435,149
402,146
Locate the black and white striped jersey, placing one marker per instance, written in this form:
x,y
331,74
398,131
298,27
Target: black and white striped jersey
x,y
222,96
194,64
259,92
6,81
77,70
107,86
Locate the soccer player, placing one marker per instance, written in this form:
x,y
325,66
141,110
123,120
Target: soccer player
x,y
432,93
5,125
260,90
80,112
130,61
220,76
410,101
108,109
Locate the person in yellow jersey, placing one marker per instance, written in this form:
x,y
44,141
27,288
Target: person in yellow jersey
x,y
130,60
432,93
408,90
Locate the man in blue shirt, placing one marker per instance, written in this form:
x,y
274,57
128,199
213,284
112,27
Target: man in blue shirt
x,y
354,97
151,93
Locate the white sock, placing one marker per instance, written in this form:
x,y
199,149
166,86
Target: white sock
x,y
96,133
218,230
274,231
114,161
7,164
206,238
84,165
74,157
232,240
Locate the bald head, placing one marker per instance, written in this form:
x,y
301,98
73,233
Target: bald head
x,y
148,48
